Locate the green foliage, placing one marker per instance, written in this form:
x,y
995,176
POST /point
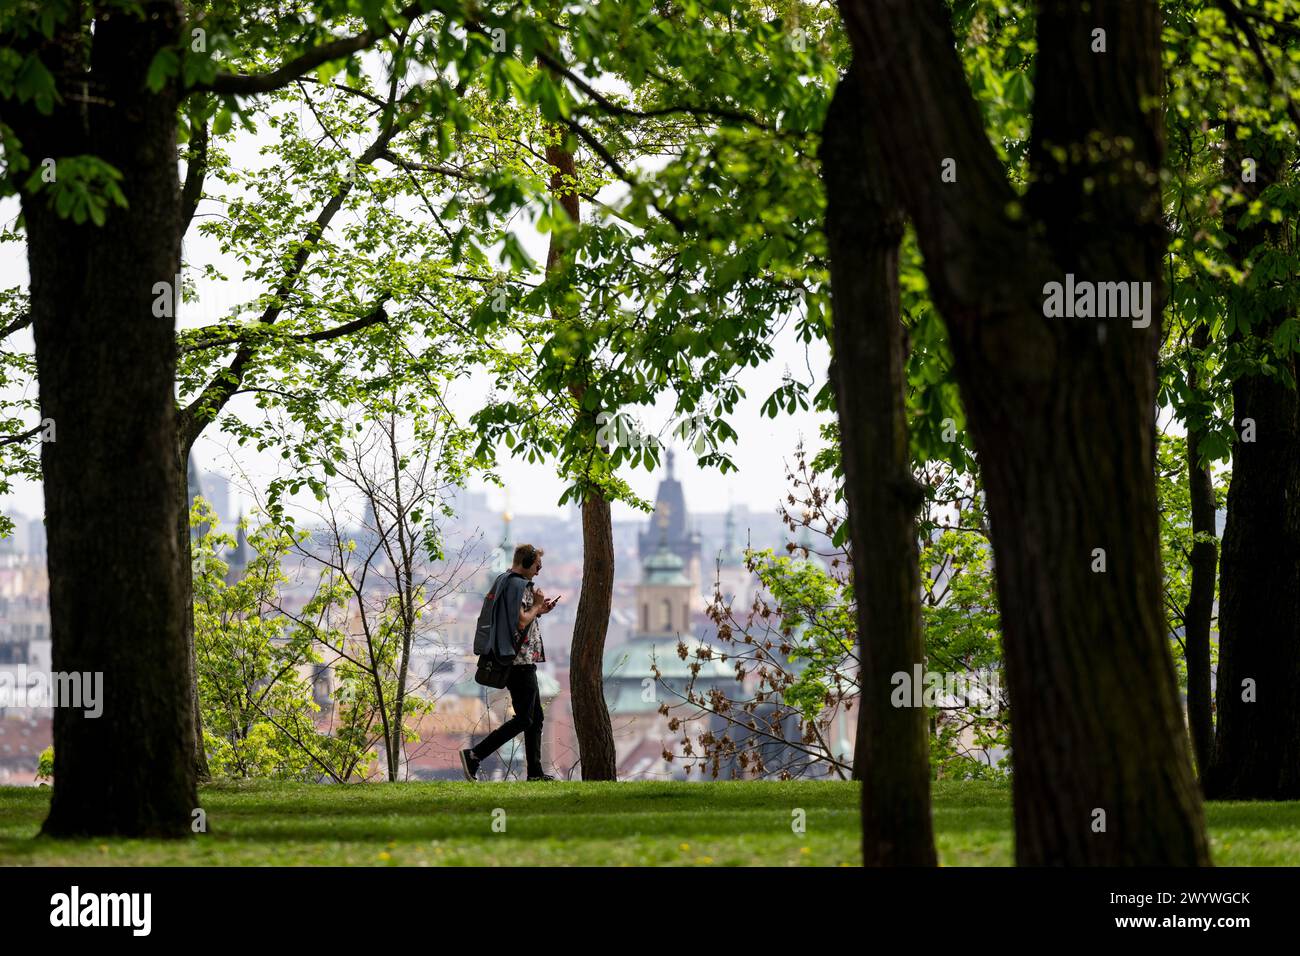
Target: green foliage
x,y
800,636
82,187
255,666
405,178
19,458
962,627
1241,301
1176,538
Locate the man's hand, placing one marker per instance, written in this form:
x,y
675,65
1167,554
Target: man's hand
x,y
549,606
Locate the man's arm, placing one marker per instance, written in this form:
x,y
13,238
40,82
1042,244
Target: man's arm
x,y
528,615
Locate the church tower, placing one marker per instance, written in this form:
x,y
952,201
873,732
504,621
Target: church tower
x,y
664,595
647,672
503,555
670,527
241,556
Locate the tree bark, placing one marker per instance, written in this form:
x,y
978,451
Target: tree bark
x,y
181,474
591,723
864,227
1061,410
1198,614
1257,742
106,365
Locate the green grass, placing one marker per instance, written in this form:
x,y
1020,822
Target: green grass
x,y
638,824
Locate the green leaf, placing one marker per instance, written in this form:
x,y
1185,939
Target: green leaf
x,y
165,64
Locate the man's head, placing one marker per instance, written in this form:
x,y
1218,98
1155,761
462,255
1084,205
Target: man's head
x,y
528,561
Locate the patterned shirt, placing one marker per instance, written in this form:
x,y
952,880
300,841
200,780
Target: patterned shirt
x,y
531,650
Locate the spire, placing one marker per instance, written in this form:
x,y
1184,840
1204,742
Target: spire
x,y
670,518
663,566
507,547
242,548
238,562
505,556
729,536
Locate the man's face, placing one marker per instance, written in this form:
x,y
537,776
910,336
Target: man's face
x,y
531,573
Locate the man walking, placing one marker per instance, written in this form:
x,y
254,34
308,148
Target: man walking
x,y
522,605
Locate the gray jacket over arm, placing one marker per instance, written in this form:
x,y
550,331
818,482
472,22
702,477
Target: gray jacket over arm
x,y
505,629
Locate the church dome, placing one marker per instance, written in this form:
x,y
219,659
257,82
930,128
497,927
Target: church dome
x,y
664,567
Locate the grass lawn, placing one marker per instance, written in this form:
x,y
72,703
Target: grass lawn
x,y
578,824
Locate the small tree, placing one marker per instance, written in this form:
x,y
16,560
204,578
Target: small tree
x,y
795,645
255,665
384,555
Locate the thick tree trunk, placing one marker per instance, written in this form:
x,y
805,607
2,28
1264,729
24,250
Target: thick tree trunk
x,y
1199,612
1257,743
864,228
1061,410
1257,747
106,366
1097,730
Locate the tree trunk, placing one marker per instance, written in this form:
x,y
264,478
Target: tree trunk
x,y
1061,409
106,367
864,228
1257,747
181,474
1257,743
1199,612
591,722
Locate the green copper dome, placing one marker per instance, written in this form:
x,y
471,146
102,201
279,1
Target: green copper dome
x,y
664,567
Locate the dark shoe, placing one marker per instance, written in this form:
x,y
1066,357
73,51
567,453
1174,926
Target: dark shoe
x,y
545,776
469,763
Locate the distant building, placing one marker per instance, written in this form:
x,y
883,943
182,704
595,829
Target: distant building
x,y
634,694
729,577
670,527
25,648
240,557
23,735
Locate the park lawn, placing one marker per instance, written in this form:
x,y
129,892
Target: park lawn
x,y
565,824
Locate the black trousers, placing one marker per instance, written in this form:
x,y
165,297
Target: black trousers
x,y
521,681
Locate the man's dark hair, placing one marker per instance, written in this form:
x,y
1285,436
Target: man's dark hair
x,y
526,554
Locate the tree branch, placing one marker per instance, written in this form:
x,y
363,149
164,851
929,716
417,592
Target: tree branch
x,y
245,84
196,169
16,325
375,316
194,417
925,119
22,436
